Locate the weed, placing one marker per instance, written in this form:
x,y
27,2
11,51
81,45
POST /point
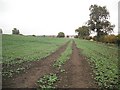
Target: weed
x,y
9,73
47,81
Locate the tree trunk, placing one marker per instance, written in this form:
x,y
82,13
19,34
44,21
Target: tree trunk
x,y
98,34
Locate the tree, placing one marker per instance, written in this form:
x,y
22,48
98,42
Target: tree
x,y
99,20
61,34
15,31
83,32
67,36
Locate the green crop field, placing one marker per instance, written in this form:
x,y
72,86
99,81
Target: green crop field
x,y
104,60
18,49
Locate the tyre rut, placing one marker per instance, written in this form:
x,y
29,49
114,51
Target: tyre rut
x,y
78,72
36,70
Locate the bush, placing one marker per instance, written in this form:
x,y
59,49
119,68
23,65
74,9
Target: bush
x,y
110,39
33,35
88,38
61,34
15,31
101,39
67,36
76,36
95,38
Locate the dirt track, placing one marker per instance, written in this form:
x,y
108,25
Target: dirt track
x,y
77,72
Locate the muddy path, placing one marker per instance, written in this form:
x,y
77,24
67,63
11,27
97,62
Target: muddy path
x,y
37,69
78,72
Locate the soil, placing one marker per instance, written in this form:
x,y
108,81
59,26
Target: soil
x,y
36,70
78,73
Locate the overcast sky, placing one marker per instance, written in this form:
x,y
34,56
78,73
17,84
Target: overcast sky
x,y
48,17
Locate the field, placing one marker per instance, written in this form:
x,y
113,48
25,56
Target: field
x,y
104,59
17,49
46,62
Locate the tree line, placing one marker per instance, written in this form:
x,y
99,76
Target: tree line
x,y
14,31
98,22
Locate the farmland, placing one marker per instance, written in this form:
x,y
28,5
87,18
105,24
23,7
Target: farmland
x,y
17,49
104,59
46,62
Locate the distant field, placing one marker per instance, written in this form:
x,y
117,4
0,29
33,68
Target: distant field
x,y
105,60
17,49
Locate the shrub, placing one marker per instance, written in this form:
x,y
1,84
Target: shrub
x,y
76,36
88,38
33,35
15,31
67,36
110,39
61,34
95,38
101,39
